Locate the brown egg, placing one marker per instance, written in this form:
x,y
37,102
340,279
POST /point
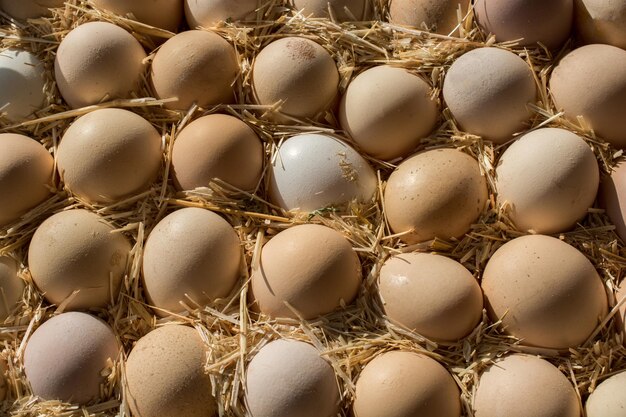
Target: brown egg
x,y
488,91
545,291
524,386
441,16
165,375
11,287
297,72
77,251
164,14
406,384
65,357
608,399
207,13
195,67
387,111
579,91
342,10
601,21
191,252
311,268
4,380
548,179
217,146
124,155
289,378
430,294
26,170
612,198
96,62
29,9
435,193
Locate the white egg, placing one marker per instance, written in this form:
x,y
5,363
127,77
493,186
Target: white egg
x,y
21,84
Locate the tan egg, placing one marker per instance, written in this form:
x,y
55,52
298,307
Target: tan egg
x,y
195,67
164,14
438,16
523,386
208,13
65,357
608,399
217,146
612,197
545,291
387,111
311,268
435,193
406,384
430,294
488,91
11,287
26,170
22,84
548,179
29,9
4,380
601,101
601,21
342,10
77,251
289,378
298,72
108,155
191,252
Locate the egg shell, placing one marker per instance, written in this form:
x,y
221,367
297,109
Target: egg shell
x,y
165,375
64,358
601,21
26,170
310,267
435,193
4,381
195,67
208,13
217,146
406,384
387,111
430,294
96,62
612,197
342,10
76,250
578,90
608,399
522,386
549,177
124,155
22,82
546,292
11,287
192,252
29,9
289,378
297,72
488,91
163,14
440,16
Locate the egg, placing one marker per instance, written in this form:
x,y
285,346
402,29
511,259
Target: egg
x,y
26,170
4,380
440,16
207,13
612,197
342,10
435,193
289,378
163,14
522,386
601,21
11,287
191,252
601,101
387,111
546,292
488,91
217,146
406,384
97,62
29,9
65,357
532,21
430,294
297,72
22,81
608,399
308,268
165,375
547,179
78,251
195,67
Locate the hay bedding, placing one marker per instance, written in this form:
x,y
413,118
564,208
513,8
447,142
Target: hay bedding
x,y
351,337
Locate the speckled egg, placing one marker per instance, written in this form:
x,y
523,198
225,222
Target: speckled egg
x,y
164,14
601,21
22,84
612,197
11,287
208,13
342,10
608,399
438,16
29,9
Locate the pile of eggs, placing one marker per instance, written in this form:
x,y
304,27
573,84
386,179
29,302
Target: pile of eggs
x,y
539,290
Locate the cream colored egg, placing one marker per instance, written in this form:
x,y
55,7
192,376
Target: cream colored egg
x,y
440,16
26,170
601,21
546,292
4,380
29,9
608,399
342,10
387,111
165,375
164,14
21,84
547,179
523,386
191,252
207,13
612,198
488,91
78,251
308,268
65,357
435,193
406,384
217,146
11,287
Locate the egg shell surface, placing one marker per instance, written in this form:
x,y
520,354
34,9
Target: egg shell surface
x,y
22,81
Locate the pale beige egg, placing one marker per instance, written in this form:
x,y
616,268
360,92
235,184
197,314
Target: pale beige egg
x,y
437,16
164,14
22,84
341,10
612,197
29,9
208,13
601,21
11,287
608,399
